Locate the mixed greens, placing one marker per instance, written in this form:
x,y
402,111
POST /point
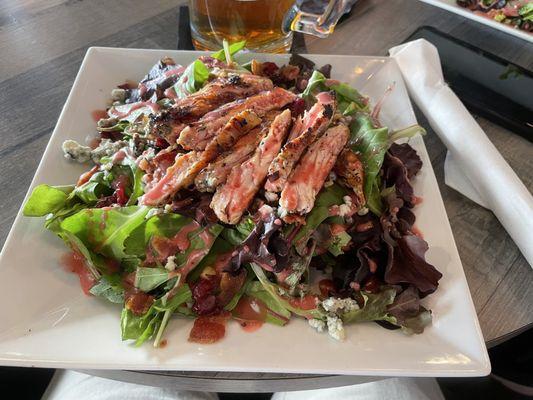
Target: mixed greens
x,y
354,257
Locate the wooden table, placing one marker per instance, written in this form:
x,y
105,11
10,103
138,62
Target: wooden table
x,y
43,42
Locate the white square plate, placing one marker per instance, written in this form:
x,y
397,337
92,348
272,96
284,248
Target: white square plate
x,y
47,321
451,5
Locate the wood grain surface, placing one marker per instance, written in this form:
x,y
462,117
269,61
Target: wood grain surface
x,y
43,42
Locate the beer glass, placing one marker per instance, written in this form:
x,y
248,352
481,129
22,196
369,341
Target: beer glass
x,y
266,25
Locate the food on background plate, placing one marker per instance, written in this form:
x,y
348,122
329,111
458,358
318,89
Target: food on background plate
x,y
515,13
252,192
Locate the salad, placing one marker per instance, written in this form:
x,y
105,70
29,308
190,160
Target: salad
x,y
252,192
516,13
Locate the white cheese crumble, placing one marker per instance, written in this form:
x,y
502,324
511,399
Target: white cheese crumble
x,y
345,208
335,328
333,305
171,263
318,324
76,152
362,211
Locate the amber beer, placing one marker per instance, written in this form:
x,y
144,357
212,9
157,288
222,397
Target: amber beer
x,y
256,21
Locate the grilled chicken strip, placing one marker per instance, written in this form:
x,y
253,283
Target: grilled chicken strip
x,y
197,135
216,172
169,123
236,127
165,187
233,198
304,132
350,171
298,196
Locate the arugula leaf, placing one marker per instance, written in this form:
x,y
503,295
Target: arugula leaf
x,y
147,279
139,327
78,246
231,50
284,302
97,186
105,231
244,289
371,144
46,199
166,225
329,196
154,321
109,288
278,315
192,79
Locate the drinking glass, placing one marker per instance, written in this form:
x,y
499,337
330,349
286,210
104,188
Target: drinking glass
x,y
266,25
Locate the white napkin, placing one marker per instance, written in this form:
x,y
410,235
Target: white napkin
x,y
475,160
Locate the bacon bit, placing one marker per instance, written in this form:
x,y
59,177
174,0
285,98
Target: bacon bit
x,y
84,178
163,343
209,329
326,287
138,302
76,263
364,226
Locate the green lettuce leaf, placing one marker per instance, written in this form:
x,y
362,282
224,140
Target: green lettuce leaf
x,y
374,309
193,78
371,144
329,196
109,287
46,200
231,50
236,234
276,314
147,279
284,301
155,320
349,100
105,231
338,241
197,246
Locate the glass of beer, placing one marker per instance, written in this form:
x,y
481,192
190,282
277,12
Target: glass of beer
x,y
266,25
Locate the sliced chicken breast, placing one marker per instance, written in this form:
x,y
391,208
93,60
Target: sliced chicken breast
x,y
298,196
233,198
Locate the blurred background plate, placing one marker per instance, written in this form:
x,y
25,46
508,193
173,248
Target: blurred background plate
x,y
451,5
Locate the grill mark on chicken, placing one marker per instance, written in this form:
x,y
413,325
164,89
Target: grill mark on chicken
x,y
298,196
169,123
305,132
236,127
233,198
216,172
197,135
